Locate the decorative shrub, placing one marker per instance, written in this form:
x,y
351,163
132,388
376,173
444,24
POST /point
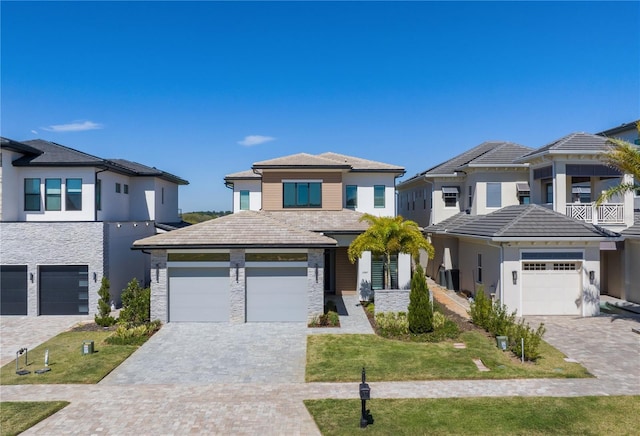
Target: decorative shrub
x,y
438,320
103,317
480,309
391,324
420,311
133,335
329,319
136,305
532,339
500,322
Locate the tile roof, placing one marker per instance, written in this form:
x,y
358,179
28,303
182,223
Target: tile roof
x,y
300,160
248,174
450,223
574,143
621,128
634,230
143,170
359,164
18,146
526,221
489,153
328,221
243,229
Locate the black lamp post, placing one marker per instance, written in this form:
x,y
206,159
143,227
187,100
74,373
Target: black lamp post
x,y
365,394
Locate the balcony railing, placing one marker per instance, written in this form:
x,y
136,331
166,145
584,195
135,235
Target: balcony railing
x,y
608,213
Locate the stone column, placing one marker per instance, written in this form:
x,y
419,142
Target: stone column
x,y
237,286
315,283
159,286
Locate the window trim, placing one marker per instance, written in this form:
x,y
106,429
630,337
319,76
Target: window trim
x,y
125,189
51,196
491,201
297,204
354,189
379,202
32,195
68,204
245,195
98,192
118,188
479,268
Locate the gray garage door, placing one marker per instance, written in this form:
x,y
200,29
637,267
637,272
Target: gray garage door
x,y
13,290
277,294
64,290
199,294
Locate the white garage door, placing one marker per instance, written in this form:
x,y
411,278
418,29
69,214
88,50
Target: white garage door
x,y
277,294
551,288
199,294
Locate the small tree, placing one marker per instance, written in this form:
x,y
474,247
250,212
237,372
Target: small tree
x,y
136,304
103,317
420,311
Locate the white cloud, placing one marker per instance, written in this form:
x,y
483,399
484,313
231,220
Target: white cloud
x,y
252,140
35,132
76,126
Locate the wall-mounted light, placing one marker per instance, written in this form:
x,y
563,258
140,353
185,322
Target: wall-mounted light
x,y
316,273
237,272
592,276
95,277
514,276
157,273
31,277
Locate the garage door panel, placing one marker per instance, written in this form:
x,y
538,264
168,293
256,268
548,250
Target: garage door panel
x,y
277,294
13,290
551,292
199,295
64,290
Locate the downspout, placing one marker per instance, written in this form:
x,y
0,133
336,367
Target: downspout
x,y
95,203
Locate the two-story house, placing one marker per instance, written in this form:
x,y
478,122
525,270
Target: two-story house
x,y
284,246
522,224
68,218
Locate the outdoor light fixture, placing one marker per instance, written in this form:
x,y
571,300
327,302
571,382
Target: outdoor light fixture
x,y
316,273
514,276
592,276
157,273
31,277
237,272
95,277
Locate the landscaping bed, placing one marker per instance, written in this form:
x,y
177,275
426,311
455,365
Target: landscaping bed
x,y
481,416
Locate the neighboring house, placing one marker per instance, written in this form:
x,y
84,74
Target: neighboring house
x,y
282,249
68,218
523,225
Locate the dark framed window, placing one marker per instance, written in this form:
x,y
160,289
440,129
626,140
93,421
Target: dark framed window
x,y
470,205
378,196
98,194
244,200
479,268
351,196
524,198
53,194
125,188
548,192
31,194
162,195
118,188
302,194
73,198
494,194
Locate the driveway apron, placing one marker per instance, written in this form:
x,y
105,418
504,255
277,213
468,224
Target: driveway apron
x,y
211,353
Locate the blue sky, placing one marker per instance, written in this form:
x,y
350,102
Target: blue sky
x,y
203,89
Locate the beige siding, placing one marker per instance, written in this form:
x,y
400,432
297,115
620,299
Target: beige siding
x,y
346,273
272,188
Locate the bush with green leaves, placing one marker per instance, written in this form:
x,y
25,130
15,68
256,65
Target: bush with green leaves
x,y
532,339
133,335
103,317
438,320
392,324
329,319
420,311
480,309
136,305
500,321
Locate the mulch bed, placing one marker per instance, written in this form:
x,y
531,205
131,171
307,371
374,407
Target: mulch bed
x,y
92,327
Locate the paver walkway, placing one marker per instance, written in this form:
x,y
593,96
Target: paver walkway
x,y
353,319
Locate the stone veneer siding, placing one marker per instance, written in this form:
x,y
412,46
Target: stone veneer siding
x,y
159,286
315,288
54,243
237,291
392,300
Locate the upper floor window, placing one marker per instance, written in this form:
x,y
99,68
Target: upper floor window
x,y
548,192
302,194
494,194
98,194
524,193
351,196
125,188
378,196
450,196
73,198
470,192
118,188
479,269
53,194
244,200
31,194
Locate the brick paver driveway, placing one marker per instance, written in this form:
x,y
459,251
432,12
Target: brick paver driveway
x,y
211,353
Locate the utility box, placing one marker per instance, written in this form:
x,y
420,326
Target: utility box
x,y
87,347
502,342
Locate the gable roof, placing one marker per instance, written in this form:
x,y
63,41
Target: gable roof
x,y
574,143
487,154
41,153
526,222
239,230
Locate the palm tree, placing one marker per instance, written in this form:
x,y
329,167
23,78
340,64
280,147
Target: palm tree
x,y
388,236
625,157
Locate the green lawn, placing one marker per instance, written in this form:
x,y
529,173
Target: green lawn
x,y
339,358
67,363
482,416
16,417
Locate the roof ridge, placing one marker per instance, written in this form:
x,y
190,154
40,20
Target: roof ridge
x,y
66,148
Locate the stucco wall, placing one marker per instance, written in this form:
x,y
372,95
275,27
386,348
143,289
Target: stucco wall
x,y
255,194
365,183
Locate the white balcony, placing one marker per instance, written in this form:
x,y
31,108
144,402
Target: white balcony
x,y
608,213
